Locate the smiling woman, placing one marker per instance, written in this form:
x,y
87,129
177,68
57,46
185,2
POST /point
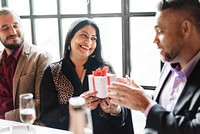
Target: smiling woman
x,y
69,78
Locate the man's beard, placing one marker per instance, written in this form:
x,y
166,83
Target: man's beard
x,y
13,46
170,57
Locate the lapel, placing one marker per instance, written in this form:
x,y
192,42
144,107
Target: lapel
x,y
163,78
19,69
190,89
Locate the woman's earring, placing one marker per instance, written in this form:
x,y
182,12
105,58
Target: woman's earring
x,y
68,47
92,56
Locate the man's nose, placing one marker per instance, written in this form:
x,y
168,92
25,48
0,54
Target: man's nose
x,y
156,40
13,30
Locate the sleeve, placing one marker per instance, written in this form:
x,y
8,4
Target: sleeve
x,y
166,122
53,114
119,120
123,122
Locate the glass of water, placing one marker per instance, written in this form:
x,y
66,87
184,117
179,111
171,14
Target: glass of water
x,y
27,109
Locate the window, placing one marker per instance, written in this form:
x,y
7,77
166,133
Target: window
x,y
126,28
42,7
26,24
105,6
68,6
145,60
143,5
17,6
111,40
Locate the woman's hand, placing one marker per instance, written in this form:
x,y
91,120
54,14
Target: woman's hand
x,y
90,100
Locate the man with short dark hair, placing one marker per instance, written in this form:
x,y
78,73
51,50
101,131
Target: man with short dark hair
x,y
176,105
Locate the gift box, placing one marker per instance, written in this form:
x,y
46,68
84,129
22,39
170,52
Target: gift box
x,y
99,80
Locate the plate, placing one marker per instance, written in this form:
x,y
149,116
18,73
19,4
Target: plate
x,y
17,130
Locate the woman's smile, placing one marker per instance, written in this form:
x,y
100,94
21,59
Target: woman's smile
x,y
84,47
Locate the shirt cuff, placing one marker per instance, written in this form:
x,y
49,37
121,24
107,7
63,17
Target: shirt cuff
x,y
146,112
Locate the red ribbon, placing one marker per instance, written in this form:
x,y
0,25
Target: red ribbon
x,y
93,83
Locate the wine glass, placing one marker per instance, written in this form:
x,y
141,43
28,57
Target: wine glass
x,y
27,109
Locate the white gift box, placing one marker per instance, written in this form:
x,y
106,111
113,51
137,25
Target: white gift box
x,y
100,83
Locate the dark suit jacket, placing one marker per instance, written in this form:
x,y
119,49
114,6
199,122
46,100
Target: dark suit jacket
x,y
185,118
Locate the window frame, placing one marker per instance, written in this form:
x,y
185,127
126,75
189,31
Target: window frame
x,y
125,17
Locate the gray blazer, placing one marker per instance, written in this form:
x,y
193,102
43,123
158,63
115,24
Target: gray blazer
x,y
185,118
27,77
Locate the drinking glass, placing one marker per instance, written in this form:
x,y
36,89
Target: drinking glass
x,y
27,109
80,116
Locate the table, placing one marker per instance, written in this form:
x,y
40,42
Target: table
x,y
12,127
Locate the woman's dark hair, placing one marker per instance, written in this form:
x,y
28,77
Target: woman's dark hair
x,y
76,26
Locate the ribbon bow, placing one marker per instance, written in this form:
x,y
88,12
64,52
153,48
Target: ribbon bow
x,y
100,71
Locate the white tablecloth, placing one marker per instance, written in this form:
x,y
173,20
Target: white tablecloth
x,y
12,127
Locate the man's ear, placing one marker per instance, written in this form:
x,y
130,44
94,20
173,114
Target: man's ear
x,y
186,28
